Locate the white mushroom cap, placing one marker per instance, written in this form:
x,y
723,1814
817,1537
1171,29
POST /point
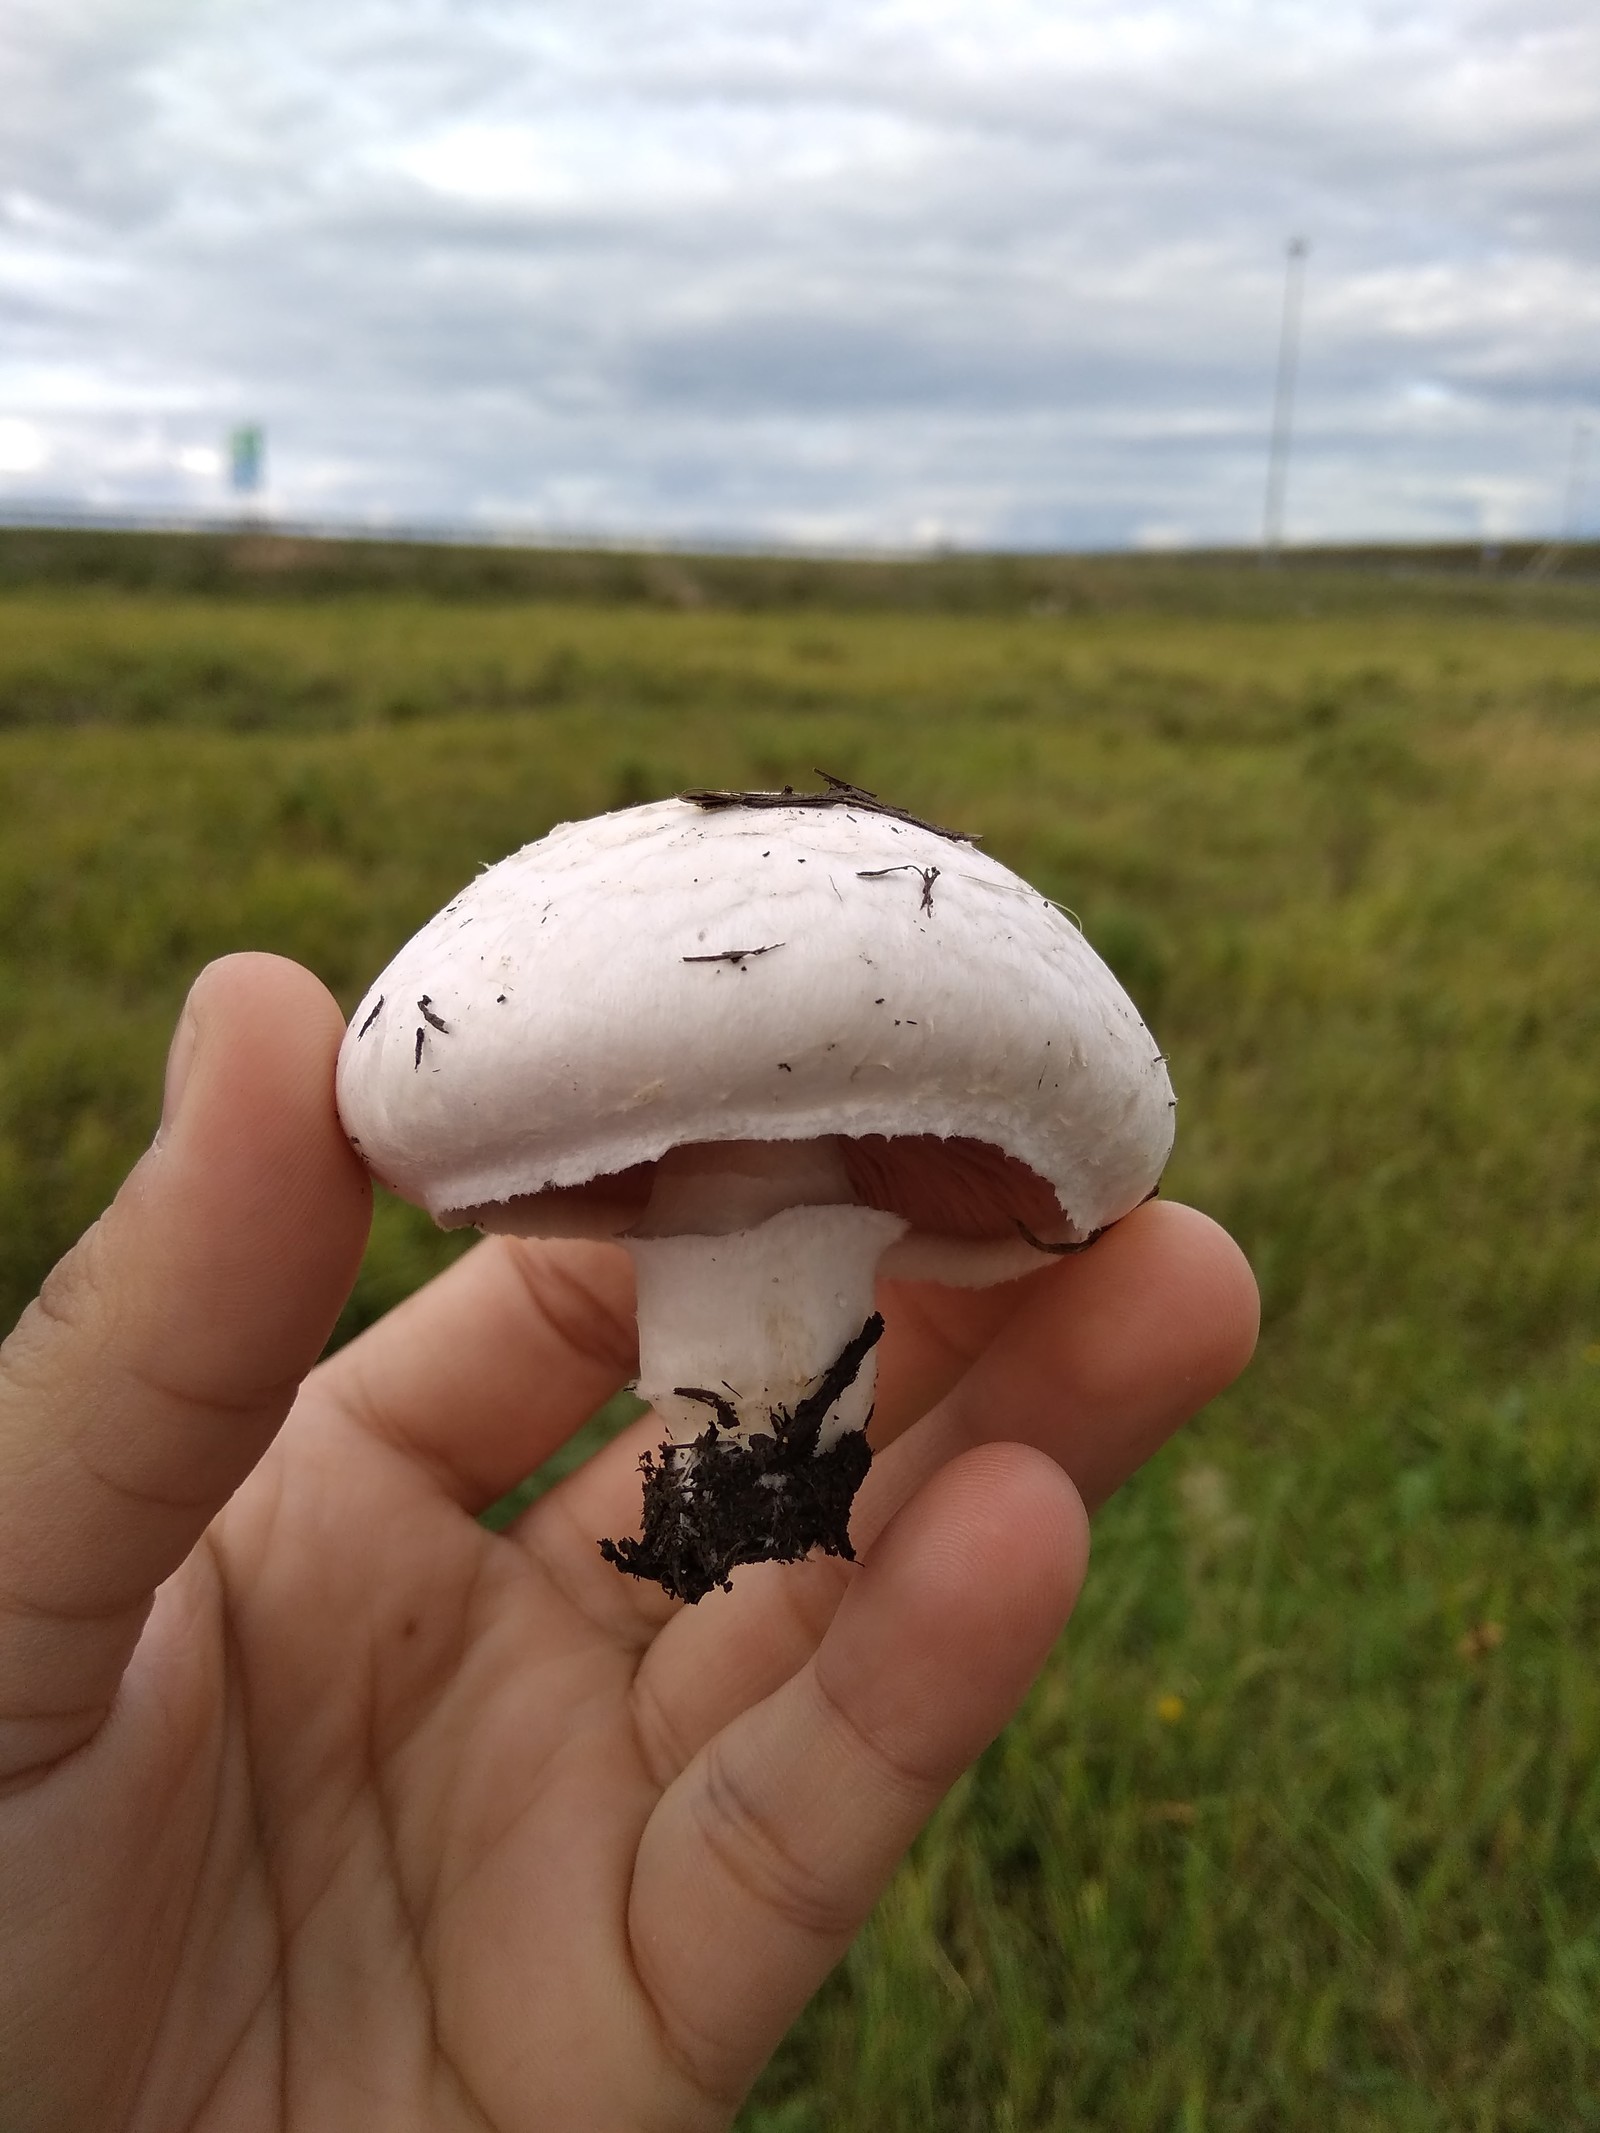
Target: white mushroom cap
x,y
671,975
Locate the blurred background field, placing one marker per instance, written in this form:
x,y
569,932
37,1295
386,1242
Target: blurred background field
x,y
1302,1827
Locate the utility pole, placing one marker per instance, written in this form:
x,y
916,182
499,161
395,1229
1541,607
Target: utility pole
x,y
1572,517
1548,558
1283,400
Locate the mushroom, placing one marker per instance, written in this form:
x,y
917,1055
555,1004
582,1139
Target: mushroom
x,y
776,1045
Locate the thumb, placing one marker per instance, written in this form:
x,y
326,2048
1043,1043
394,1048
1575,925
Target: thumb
x,y
165,1349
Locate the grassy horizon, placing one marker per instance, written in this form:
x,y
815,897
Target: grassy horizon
x,y
1301,1828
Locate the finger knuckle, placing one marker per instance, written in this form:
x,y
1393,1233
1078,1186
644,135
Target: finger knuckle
x,y
747,1843
581,1318
66,1306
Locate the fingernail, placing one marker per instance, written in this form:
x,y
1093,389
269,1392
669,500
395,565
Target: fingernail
x,y
180,1057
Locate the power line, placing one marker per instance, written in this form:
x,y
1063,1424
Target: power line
x,y
1283,399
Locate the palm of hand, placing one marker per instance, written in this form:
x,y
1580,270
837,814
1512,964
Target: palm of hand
x,y
395,1821
420,1788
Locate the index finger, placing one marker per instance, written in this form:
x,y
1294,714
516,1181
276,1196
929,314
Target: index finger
x,y
484,1373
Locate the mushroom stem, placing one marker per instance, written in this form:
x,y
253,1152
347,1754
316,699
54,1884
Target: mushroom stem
x,y
755,1271
756,1348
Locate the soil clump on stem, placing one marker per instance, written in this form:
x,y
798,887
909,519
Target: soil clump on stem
x,y
770,1498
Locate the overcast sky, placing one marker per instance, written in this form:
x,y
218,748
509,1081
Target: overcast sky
x,y
849,272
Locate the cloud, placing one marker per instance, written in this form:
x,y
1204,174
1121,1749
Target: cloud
x,y
1001,268
22,447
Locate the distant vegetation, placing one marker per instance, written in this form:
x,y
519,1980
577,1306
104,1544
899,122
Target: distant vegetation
x,y
1302,1829
256,563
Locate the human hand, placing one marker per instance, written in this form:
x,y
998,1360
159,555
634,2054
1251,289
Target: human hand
x,y
321,1807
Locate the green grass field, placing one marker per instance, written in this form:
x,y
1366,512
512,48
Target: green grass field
x,y
1302,1827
